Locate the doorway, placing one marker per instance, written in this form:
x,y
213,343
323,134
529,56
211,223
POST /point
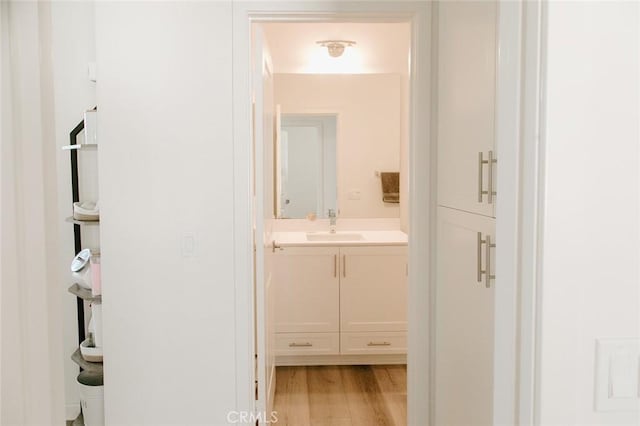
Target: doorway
x,y
331,131
388,96
423,176
306,154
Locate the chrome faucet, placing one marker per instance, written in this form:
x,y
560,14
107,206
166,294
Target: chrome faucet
x,y
332,221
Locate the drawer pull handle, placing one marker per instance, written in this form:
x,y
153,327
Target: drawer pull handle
x,y
300,345
379,344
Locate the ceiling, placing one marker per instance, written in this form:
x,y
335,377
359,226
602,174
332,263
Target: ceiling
x,y
380,47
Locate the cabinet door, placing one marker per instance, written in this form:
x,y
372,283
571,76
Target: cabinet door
x,y
464,321
306,290
373,289
466,102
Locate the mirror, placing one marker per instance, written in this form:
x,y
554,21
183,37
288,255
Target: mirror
x,y
338,135
306,176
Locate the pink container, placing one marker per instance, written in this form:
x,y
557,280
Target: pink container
x,y
96,283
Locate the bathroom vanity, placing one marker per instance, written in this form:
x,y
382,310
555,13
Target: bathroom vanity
x,y
340,298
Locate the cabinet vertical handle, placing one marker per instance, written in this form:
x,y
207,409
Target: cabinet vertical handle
x,y
487,273
489,162
335,265
344,265
480,163
490,191
479,243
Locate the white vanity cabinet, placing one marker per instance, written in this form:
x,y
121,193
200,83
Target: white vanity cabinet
x,y
373,300
307,292
307,301
340,300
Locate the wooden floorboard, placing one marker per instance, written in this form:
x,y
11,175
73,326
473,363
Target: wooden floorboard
x,y
327,399
292,396
392,380
358,395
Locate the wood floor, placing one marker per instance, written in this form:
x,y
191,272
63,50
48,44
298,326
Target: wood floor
x,y
355,395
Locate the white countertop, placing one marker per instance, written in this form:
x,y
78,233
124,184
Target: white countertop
x,y
370,238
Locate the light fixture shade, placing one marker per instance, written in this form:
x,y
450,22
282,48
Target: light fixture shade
x,y
336,47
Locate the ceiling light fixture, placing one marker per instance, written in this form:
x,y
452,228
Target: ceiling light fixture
x,y
336,47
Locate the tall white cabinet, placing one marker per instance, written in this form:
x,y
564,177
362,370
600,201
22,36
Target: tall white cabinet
x,y
464,305
467,165
466,105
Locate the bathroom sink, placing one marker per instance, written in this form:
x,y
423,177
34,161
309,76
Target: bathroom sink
x,y
338,236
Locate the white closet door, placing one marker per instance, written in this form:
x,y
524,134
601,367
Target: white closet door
x,y
464,321
466,102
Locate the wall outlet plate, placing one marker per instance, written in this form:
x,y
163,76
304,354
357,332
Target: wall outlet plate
x,y
354,194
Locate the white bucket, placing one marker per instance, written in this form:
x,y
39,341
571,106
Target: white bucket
x,y
91,399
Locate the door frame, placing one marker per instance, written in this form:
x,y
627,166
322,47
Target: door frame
x,y
518,230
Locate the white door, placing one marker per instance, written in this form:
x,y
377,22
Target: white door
x,y
307,166
303,172
263,208
467,54
464,319
307,295
373,289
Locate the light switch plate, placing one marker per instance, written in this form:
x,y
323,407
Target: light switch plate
x,y
617,385
188,245
91,71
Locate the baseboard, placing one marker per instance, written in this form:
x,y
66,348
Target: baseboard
x,y
292,360
72,411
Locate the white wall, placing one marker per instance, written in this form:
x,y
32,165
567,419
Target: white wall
x,y
73,45
31,338
381,47
590,279
166,171
369,130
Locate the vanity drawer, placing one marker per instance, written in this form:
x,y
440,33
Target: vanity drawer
x,y
373,343
307,344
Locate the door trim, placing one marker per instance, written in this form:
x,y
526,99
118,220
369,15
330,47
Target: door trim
x,y
419,15
520,234
520,207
